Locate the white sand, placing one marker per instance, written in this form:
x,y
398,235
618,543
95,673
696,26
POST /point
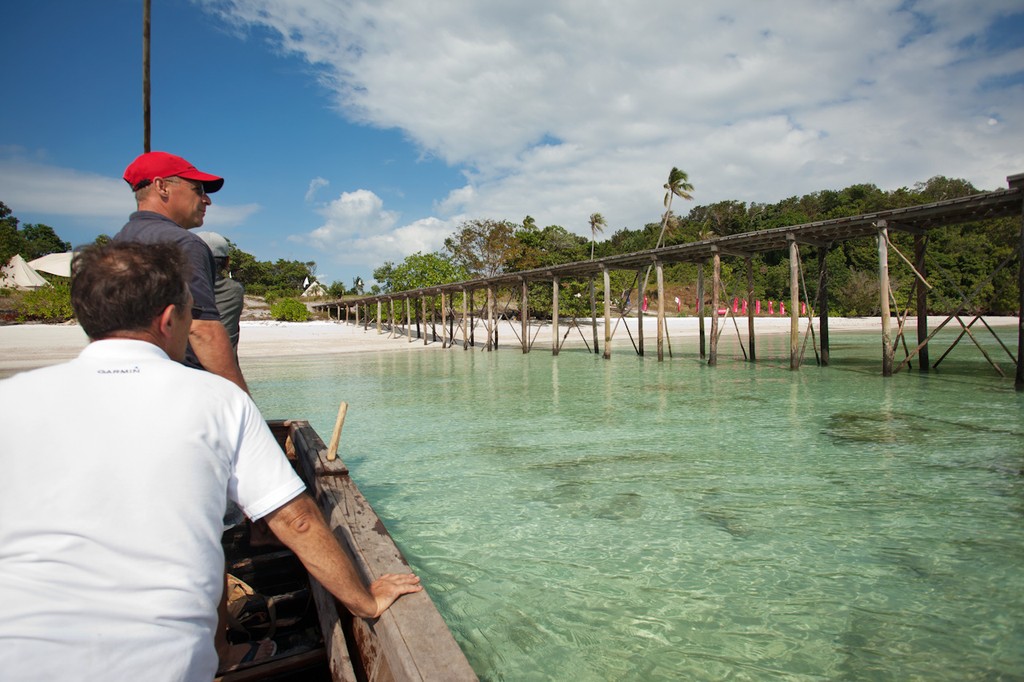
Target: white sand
x,y
35,345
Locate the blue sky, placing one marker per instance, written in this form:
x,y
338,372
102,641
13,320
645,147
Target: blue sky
x,y
351,132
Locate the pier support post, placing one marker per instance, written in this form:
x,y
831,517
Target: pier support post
x,y
524,316
888,350
920,246
554,315
490,318
751,339
639,313
700,308
607,315
445,337
1018,181
794,302
715,293
408,319
423,309
593,315
660,270
465,319
823,278
379,323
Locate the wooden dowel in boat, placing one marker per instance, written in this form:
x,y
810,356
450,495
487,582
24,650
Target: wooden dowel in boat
x,y
332,450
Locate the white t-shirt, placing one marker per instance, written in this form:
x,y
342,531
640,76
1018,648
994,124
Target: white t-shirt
x,y
115,469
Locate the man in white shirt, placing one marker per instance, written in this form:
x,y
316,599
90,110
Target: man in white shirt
x,y
114,472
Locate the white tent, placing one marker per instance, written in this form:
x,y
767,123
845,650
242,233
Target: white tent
x,y
18,274
314,289
54,263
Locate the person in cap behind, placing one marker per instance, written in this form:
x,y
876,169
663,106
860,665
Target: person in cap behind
x,y
172,196
230,295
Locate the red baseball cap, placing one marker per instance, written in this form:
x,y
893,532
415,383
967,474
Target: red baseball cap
x,y
163,165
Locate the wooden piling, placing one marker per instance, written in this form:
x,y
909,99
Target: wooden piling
x,y
750,308
660,270
607,314
920,247
1018,181
524,316
794,303
408,319
593,314
888,350
490,318
639,314
700,308
554,315
823,280
465,319
716,279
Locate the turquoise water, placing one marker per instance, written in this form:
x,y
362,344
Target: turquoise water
x,y
576,518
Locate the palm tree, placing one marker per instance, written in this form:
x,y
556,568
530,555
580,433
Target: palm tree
x,y
678,185
597,222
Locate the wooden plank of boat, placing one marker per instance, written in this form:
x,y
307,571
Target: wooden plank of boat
x,y
410,641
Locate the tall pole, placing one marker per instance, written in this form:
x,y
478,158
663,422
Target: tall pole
x,y
920,247
794,303
607,315
661,309
751,338
716,279
554,315
145,76
888,350
524,317
700,306
639,314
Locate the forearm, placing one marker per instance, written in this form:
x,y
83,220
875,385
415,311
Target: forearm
x,y
212,346
301,527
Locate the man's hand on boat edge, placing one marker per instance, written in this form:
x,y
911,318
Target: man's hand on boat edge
x,y
301,527
390,586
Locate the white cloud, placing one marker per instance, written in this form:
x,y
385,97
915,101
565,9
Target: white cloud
x,y
32,187
315,185
561,108
358,230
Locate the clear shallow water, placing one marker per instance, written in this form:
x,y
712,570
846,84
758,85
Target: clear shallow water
x,y
575,518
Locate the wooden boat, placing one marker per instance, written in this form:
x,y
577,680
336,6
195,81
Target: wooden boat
x,y
317,638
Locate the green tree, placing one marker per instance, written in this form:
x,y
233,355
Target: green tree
x,y
40,240
11,241
483,247
597,224
420,270
678,185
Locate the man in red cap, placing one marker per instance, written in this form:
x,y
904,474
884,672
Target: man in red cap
x,y
172,196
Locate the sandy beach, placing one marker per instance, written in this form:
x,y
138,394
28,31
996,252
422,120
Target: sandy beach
x,y
36,345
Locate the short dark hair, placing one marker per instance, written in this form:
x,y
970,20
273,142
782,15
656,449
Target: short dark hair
x,y
122,286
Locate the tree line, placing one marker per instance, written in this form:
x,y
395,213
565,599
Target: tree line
x,y
964,254
961,255
279,279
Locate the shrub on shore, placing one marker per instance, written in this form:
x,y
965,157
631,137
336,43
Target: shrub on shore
x,y
46,304
289,310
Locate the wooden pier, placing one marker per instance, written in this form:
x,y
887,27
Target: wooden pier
x,y
458,326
